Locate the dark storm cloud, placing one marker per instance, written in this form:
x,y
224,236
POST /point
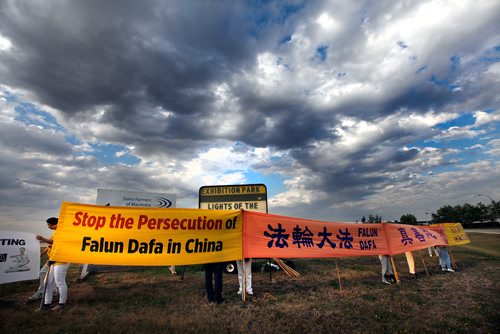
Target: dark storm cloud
x,y
76,55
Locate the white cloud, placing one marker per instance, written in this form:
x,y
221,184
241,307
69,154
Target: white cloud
x,y
493,148
456,132
483,118
5,44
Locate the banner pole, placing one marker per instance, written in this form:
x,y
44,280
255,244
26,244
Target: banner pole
x,y
243,271
394,270
453,263
183,271
270,270
243,281
338,275
46,279
422,257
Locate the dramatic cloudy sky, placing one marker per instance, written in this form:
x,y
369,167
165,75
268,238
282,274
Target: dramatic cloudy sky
x,y
342,108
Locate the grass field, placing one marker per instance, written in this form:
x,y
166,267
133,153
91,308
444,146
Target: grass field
x,y
153,301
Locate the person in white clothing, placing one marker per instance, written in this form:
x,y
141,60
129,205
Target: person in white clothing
x,y
387,273
57,277
248,272
411,263
56,274
52,225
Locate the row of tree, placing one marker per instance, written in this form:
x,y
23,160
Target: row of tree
x,y
467,214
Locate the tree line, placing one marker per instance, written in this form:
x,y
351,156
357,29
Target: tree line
x,y
467,214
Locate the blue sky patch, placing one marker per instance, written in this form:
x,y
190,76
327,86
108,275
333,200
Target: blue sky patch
x,y
322,52
110,154
29,114
462,120
273,182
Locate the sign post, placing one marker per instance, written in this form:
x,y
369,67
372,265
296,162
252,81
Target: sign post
x,y
250,197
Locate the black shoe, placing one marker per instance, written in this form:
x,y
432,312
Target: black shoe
x,y
219,301
391,278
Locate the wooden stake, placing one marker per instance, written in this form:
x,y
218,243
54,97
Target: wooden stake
x,y
395,271
453,263
338,275
422,257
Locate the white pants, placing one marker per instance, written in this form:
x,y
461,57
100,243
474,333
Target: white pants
x,y
57,276
385,260
432,249
248,272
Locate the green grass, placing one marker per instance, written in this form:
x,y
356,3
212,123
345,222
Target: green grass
x,y
152,301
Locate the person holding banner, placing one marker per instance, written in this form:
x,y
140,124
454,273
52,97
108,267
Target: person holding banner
x,y
52,225
56,274
214,270
387,273
444,259
248,275
411,263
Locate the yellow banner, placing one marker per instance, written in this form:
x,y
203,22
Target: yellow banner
x,y
113,235
455,234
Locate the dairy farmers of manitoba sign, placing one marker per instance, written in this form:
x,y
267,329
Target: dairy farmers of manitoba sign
x,y
250,197
135,199
128,198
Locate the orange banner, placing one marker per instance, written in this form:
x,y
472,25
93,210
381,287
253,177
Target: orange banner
x,y
274,236
406,238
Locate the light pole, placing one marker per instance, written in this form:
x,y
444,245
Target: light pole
x,y
494,207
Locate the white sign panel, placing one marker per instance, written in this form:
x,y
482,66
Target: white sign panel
x,y
131,199
135,199
19,256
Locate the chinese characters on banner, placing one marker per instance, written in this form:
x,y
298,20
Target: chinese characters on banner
x,y
268,235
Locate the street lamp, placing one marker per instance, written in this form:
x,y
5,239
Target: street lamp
x,y
491,199
494,206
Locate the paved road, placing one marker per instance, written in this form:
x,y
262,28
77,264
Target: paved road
x,y
484,230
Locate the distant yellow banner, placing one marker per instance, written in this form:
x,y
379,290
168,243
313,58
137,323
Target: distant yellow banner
x,y
455,234
146,237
